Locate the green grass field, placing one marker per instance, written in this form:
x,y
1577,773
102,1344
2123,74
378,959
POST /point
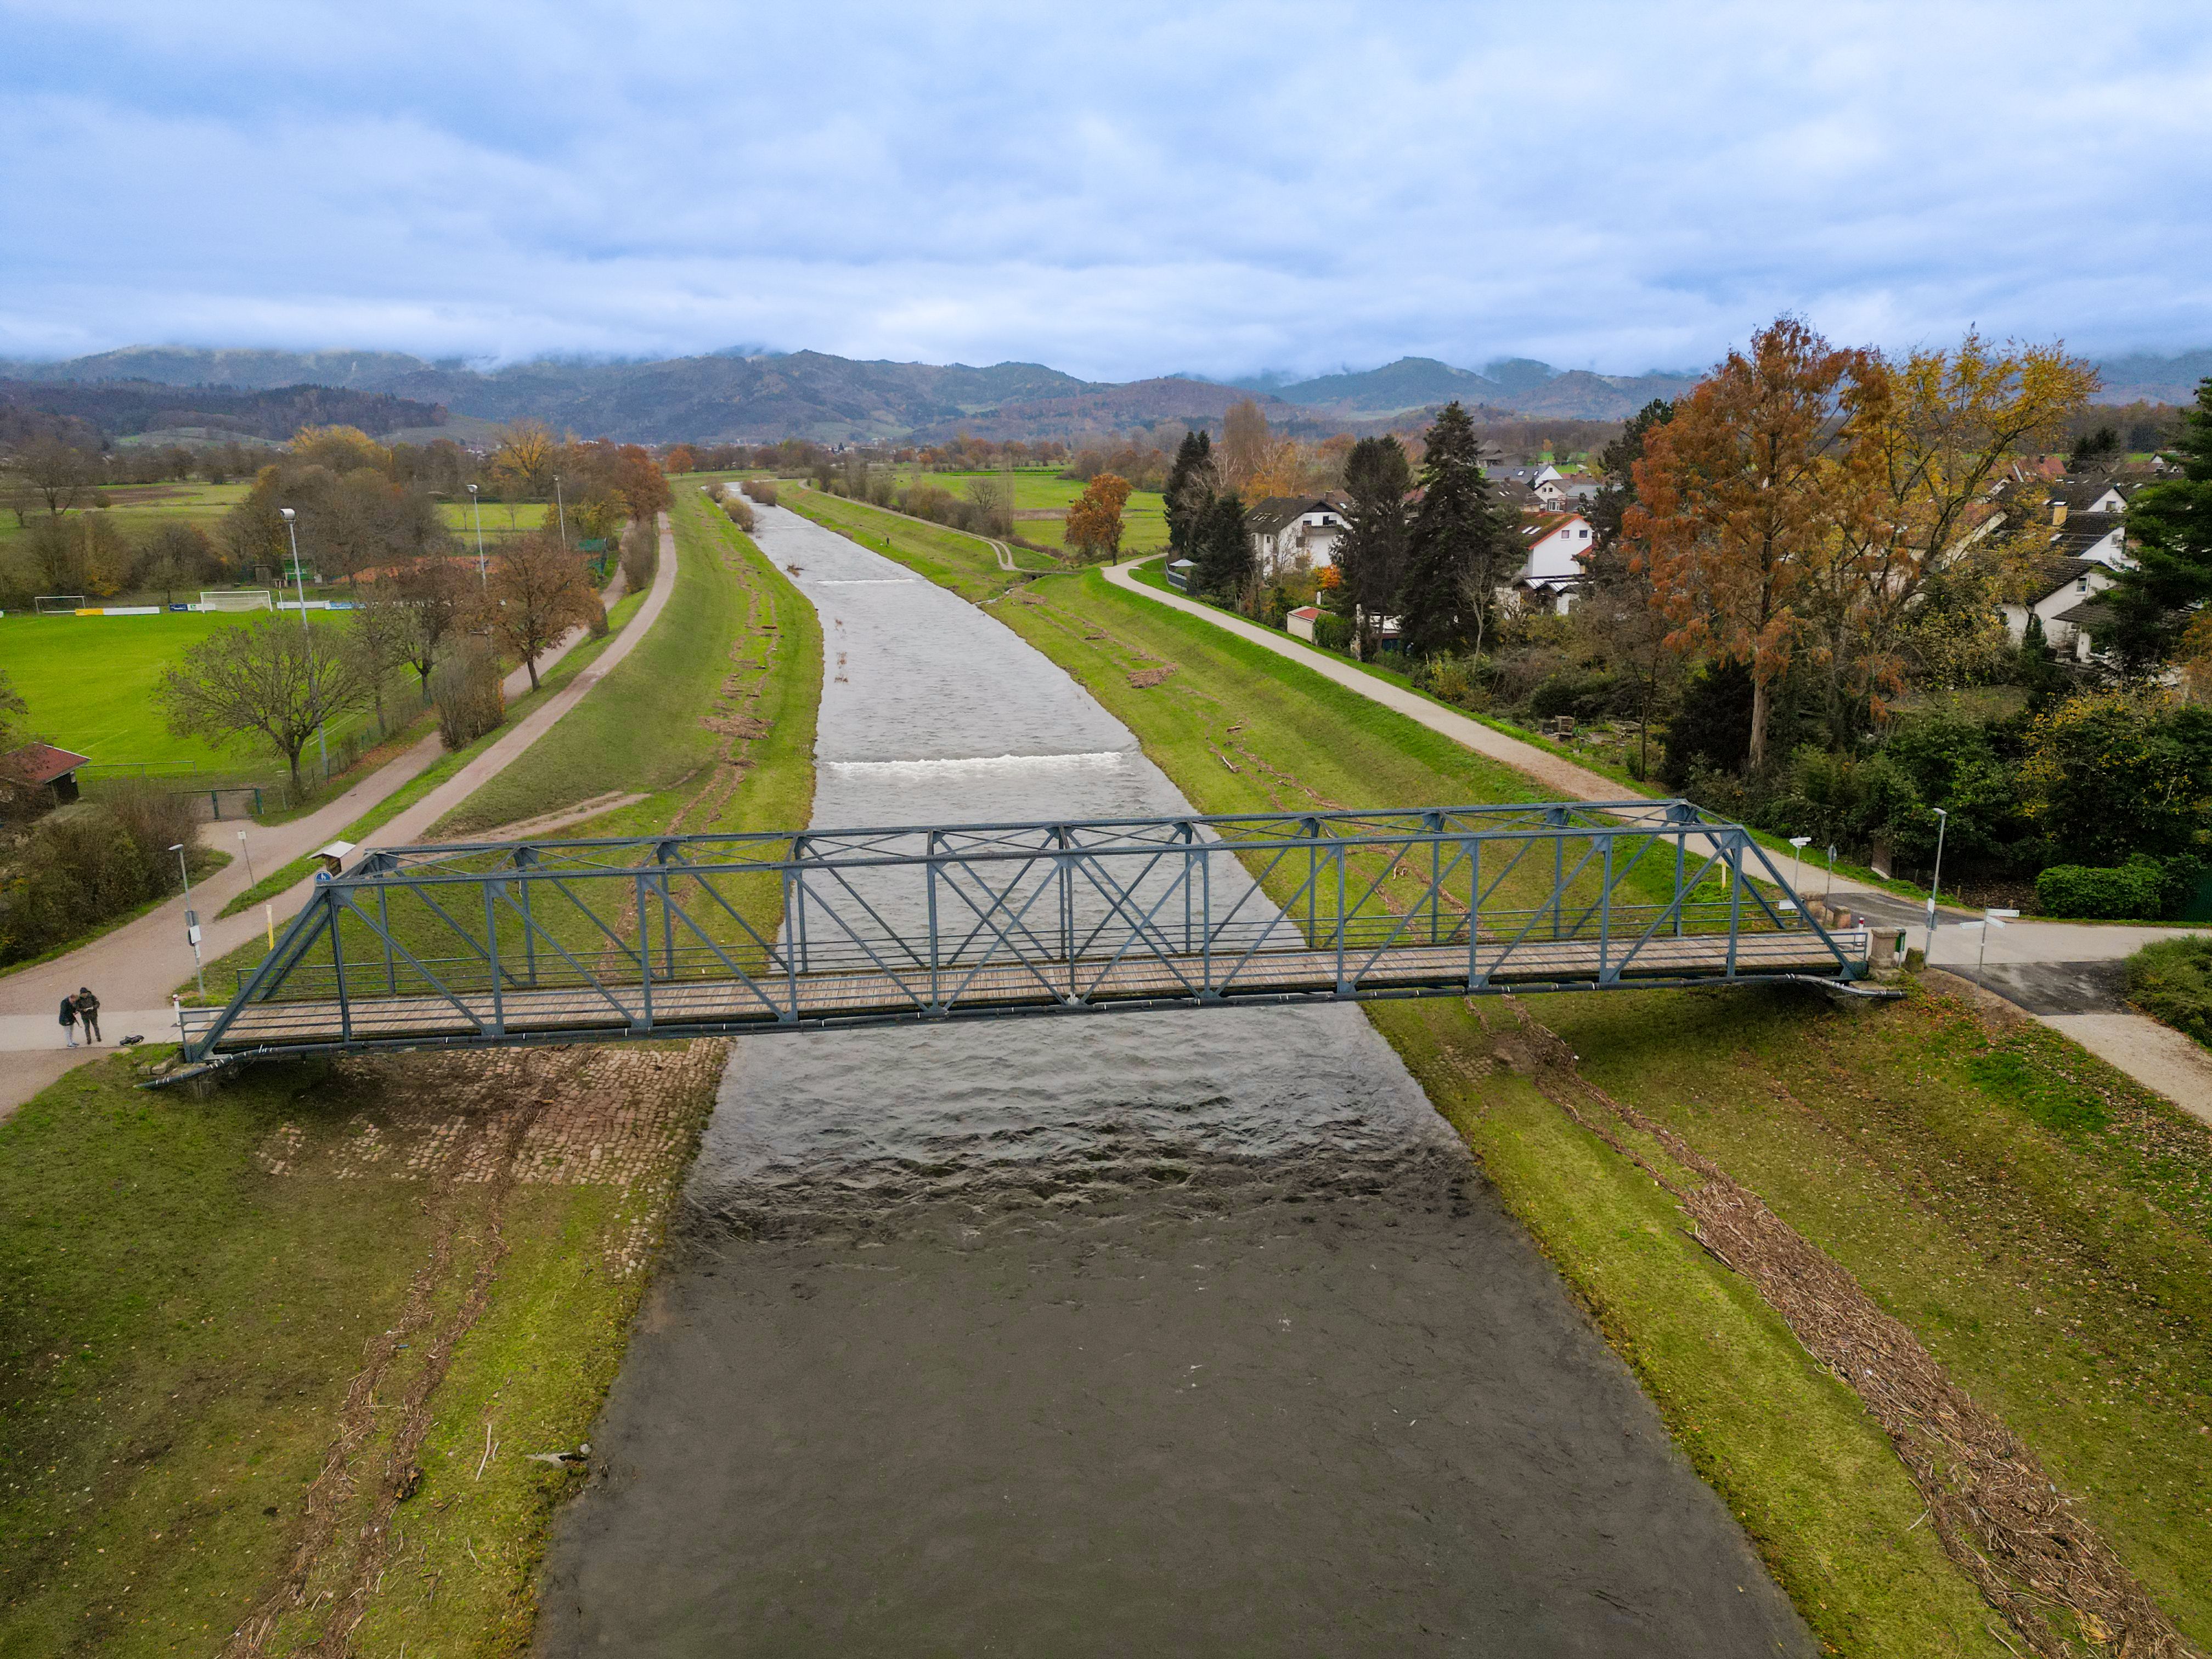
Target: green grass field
x,y
89,685
501,519
2044,1225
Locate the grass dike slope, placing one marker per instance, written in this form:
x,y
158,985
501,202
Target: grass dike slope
x,y
275,1364
2040,1223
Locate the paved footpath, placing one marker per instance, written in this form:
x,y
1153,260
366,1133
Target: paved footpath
x,y
2066,976
134,968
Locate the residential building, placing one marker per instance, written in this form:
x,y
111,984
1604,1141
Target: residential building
x,y
1553,569
1285,529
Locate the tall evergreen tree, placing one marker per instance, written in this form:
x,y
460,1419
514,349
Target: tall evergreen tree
x,y
1370,556
1458,548
2170,539
1192,482
1223,548
1617,461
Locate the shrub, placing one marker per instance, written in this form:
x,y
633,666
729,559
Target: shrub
x,y
2172,982
155,819
1333,632
761,489
465,687
740,512
597,623
1456,680
2134,888
75,868
641,552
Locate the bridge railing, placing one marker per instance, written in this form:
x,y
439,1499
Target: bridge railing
x,y
939,920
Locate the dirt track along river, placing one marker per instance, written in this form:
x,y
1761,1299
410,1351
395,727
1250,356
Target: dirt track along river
x,y
1169,1333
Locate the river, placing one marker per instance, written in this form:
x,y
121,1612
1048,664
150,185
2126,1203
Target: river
x,y
1177,1333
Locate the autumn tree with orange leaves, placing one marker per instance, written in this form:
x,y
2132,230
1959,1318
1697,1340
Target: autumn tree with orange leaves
x,y
1740,497
1094,523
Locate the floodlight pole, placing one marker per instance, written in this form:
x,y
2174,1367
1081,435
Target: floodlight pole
x,y
477,507
560,508
314,694
1935,885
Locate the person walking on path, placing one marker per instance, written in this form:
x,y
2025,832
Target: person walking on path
x,y
87,1010
69,1020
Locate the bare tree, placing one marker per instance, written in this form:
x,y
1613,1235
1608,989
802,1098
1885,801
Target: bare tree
x,y
62,475
538,593
263,678
430,597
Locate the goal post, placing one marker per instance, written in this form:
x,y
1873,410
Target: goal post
x,y
237,599
59,604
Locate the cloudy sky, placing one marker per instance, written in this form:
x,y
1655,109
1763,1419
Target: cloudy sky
x,y
1117,191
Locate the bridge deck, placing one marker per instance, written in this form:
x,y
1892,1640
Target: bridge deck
x,y
723,1004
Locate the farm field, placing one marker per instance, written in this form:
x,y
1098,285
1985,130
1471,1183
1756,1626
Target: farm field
x,y
138,509
89,685
1036,490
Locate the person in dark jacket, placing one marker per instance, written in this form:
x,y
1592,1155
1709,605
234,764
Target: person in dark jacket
x,y
87,1010
69,1020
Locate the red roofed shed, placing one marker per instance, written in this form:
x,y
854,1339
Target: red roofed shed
x,y
42,765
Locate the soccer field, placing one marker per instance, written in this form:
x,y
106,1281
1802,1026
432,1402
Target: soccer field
x,y
89,682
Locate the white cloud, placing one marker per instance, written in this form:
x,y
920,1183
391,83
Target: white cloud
x,y
1117,192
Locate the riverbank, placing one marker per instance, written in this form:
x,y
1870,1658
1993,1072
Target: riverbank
x,y
277,1361
2076,1192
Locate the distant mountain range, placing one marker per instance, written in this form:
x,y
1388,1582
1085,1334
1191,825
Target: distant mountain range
x,y
765,396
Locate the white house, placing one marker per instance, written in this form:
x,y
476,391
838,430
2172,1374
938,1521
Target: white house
x,y
1287,528
1565,493
2061,585
1552,569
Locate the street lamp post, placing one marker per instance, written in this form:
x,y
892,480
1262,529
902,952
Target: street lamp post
x,y
192,918
1935,885
561,508
246,853
314,693
477,507
1797,846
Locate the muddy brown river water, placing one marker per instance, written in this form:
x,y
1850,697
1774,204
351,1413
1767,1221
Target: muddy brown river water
x,y
1162,1333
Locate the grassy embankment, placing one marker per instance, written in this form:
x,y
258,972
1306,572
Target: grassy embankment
x,y
551,682
285,1352
2042,1225
1606,762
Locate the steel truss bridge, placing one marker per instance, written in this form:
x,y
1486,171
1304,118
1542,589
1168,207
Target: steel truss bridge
x,y
563,941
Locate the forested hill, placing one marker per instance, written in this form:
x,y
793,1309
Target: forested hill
x,y
122,409
766,396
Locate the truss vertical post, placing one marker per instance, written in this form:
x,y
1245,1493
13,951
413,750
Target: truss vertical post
x,y
523,859
1474,909
793,908
1310,827
1188,831
667,917
1065,866
338,964
936,963
384,931
491,949
1206,921
1343,986
1682,852
1558,817
1736,896
645,952
1605,913
1434,822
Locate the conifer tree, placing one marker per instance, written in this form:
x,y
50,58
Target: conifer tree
x,y
1191,484
2170,539
1459,546
1223,548
1371,557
